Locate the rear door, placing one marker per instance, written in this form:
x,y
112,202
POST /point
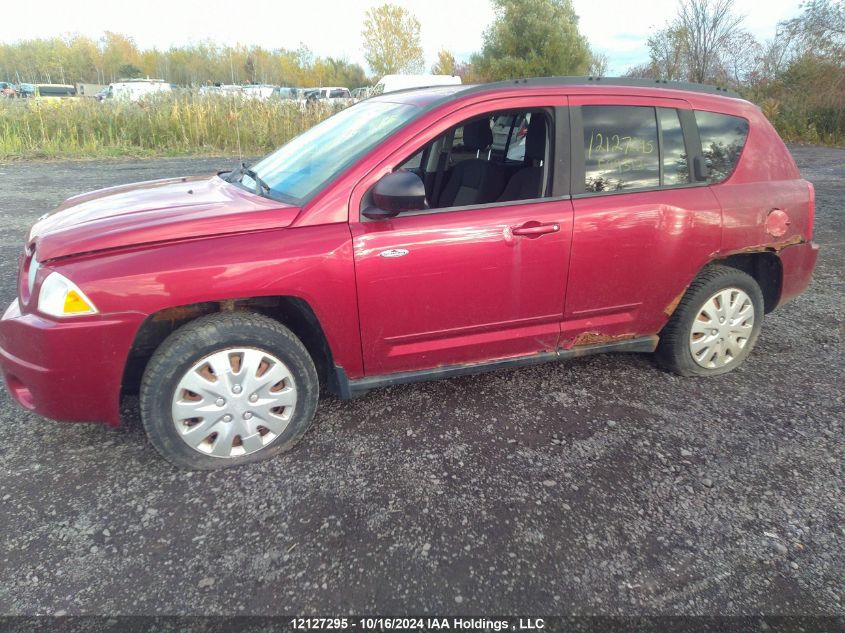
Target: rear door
x,y
642,228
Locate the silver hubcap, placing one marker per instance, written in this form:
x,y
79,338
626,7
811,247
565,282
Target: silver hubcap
x,y
722,328
234,402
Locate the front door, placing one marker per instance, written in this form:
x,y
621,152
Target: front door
x,y
472,283
439,289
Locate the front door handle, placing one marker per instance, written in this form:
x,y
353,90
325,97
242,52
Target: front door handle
x,y
535,229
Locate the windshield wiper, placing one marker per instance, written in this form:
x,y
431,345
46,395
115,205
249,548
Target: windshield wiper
x,y
244,170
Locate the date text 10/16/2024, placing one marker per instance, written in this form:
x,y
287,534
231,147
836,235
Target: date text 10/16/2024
x,y
418,624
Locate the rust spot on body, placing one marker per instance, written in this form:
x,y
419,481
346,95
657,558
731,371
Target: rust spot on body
x,y
177,314
673,305
597,338
772,248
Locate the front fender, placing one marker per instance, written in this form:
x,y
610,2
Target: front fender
x,y
314,264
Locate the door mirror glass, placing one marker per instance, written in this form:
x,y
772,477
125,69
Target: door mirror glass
x,y
395,193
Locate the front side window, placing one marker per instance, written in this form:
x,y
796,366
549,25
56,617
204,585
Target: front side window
x,y
620,148
468,164
304,165
722,139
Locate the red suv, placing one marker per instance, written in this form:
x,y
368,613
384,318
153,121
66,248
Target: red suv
x,y
396,242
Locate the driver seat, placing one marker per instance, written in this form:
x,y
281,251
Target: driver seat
x,y
475,180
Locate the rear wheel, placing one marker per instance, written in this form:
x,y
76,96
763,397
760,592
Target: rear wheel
x,y
228,389
715,326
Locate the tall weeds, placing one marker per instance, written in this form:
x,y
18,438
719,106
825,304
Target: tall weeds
x,y
179,124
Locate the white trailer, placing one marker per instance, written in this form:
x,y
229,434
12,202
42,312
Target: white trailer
x,y
392,83
137,89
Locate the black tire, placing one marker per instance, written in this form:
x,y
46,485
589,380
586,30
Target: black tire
x,y
201,338
673,352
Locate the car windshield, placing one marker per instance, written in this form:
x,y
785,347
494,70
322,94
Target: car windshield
x,y
300,168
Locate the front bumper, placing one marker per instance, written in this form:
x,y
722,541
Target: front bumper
x,y
797,262
66,370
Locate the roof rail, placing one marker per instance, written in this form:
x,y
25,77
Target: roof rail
x,y
619,81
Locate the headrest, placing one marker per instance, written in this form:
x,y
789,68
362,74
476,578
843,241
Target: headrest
x,y
477,135
535,139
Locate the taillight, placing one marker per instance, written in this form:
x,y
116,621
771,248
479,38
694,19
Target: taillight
x,y
811,211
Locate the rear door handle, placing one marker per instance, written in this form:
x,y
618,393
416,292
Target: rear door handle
x,y
535,229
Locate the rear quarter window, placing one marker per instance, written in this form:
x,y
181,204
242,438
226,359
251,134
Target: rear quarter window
x,y
722,138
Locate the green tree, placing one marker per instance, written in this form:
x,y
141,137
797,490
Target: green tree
x,y
117,50
445,64
392,41
532,38
129,71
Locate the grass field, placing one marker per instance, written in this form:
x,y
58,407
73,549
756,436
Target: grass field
x,y
187,124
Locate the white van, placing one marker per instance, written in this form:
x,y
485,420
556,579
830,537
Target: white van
x,y
262,92
136,89
392,83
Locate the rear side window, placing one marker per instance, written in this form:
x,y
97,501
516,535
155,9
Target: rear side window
x,y
620,148
722,139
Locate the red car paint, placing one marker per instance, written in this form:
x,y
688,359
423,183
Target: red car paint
x,y
480,284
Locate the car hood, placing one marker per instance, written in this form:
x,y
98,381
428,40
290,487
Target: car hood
x,y
155,211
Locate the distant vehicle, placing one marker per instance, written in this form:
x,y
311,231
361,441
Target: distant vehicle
x,y
137,89
7,89
330,92
330,95
509,134
259,91
26,90
90,90
283,92
359,94
392,83
53,91
221,90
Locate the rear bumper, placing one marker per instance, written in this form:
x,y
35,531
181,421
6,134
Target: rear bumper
x,y
66,370
798,263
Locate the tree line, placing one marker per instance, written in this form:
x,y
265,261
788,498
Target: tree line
x,y
390,42
797,77
114,56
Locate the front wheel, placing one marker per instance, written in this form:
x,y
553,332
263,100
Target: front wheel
x,y
715,326
228,389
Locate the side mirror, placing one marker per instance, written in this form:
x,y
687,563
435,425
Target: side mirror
x,y
395,193
699,168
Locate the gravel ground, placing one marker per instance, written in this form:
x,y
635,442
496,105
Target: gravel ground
x,y
597,486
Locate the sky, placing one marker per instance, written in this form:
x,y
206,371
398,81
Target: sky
x,y
333,27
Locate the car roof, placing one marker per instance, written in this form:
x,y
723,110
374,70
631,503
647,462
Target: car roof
x,y
427,97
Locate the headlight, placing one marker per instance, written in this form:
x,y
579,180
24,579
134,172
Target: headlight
x,y
60,297
33,270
